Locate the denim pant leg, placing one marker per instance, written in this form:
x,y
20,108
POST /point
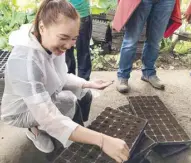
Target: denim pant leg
x,y
133,30
83,48
70,61
156,26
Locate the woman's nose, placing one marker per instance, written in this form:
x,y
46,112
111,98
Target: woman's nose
x,y
70,44
73,42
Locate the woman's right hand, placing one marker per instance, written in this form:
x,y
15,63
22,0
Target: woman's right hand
x,y
115,148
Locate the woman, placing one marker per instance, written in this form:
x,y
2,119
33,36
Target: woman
x,y
40,95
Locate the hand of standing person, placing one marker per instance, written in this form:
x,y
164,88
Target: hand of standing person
x,y
188,13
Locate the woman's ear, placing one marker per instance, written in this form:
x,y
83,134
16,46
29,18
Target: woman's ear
x,y
41,27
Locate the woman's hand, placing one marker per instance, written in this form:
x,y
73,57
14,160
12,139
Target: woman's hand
x,y
115,148
98,84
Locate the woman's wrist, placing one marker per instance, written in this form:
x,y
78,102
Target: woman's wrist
x,y
87,84
101,141
87,136
98,139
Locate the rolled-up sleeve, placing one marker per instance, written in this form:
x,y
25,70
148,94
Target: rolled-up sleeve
x,y
26,79
75,84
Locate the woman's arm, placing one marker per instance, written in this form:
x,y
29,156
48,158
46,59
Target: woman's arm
x,y
115,148
26,78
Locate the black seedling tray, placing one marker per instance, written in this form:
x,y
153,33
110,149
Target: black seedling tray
x,y
117,39
169,150
2,84
110,14
162,126
3,59
99,30
126,109
101,16
111,122
145,145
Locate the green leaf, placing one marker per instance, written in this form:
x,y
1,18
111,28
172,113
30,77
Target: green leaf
x,y
3,42
30,17
95,10
102,6
25,5
18,18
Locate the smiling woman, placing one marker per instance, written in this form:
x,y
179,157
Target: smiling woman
x,y
57,26
40,95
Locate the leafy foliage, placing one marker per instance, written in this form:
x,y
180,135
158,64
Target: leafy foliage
x,y
102,6
181,47
11,18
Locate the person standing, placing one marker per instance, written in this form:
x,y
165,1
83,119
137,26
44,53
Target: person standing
x,y
156,13
83,42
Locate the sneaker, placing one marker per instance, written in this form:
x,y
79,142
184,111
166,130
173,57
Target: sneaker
x,y
122,86
154,81
42,141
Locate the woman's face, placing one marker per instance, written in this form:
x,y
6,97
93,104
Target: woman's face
x,y
60,36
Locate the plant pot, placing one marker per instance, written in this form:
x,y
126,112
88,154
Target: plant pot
x,y
3,59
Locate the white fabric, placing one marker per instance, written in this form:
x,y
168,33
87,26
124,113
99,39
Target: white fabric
x,y
32,76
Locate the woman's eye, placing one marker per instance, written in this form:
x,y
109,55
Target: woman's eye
x,y
67,39
63,39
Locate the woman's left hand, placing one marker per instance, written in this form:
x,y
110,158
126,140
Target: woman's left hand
x,y
97,84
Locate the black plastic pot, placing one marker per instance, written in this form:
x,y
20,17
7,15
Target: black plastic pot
x,y
3,59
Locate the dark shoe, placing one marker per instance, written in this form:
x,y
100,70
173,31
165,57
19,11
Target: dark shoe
x,y
154,81
122,86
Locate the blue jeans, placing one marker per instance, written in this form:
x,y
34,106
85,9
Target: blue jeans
x,y
156,13
83,51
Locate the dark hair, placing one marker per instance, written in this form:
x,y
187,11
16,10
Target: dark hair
x,y
50,10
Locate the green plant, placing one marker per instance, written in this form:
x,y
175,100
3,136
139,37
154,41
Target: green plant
x,y
103,62
11,18
102,6
26,5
